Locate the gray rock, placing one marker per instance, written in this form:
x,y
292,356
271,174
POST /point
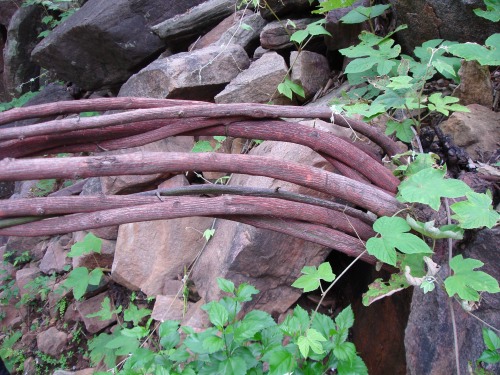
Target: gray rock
x,y
257,84
7,10
19,73
90,306
24,276
197,75
199,17
275,37
148,254
437,19
52,341
168,308
55,258
268,260
475,84
105,41
310,70
429,337
244,33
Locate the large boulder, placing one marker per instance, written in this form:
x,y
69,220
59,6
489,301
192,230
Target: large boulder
x,y
437,19
7,10
104,42
268,260
197,75
429,334
19,72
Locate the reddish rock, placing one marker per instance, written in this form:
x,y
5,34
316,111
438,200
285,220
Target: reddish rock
x,y
168,308
93,305
52,341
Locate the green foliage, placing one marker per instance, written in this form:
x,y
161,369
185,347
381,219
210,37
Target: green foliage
x,y
288,88
13,358
428,186
80,278
393,232
492,341
44,187
429,230
250,345
89,244
476,212
133,314
380,288
492,11
328,5
466,282
445,104
361,14
106,313
489,54
56,11
206,146
315,28
18,102
208,234
311,280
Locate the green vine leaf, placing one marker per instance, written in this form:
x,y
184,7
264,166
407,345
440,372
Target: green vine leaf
x,y
311,280
475,212
492,12
311,341
79,279
89,244
428,186
288,88
402,129
393,231
328,5
106,312
134,314
202,146
361,14
445,104
492,342
466,282
380,289
488,55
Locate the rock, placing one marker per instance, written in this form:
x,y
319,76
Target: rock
x,y
7,10
199,17
343,35
310,70
101,44
52,341
245,32
196,75
275,37
478,131
72,314
87,371
280,8
168,308
29,366
24,276
196,318
55,259
475,84
437,19
268,260
429,336
11,317
259,52
104,259
126,184
93,187
172,287
35,246
257,84
93,305
152,252
57,294
22,37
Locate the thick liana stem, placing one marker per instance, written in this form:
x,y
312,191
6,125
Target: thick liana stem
x,y
143,163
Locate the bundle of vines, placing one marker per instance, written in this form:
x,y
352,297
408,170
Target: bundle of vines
x,y
364,185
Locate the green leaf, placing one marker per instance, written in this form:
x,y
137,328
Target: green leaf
x,y
491,339
78,280
233,366
346,351
379,288
428,186
345,319
490,356
299,36
316,28
136,332
89,244
323,324
244,292
466,282
368,111
492,12
361,14
488,55
281,361
225,285
208,234
99,350
428,229
444,104
475,212
328,5
393,231
169,335
356,366
252,323
44,187
202,146
135,315
311,280
106,313
403,129
401,82
288,88
213,343
217,314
